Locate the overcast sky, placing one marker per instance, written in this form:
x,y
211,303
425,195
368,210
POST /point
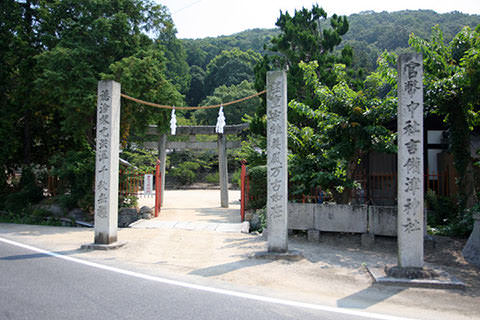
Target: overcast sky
x,y
210,18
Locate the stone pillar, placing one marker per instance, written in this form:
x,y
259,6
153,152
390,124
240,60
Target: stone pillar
x,y
410,225
277,175
471,252
106,165
162,156
223,169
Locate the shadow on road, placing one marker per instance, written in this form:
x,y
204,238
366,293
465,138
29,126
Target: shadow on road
x,y
39,255
228,267
368,297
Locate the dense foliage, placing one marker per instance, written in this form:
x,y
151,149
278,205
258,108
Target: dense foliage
x,y
52,54
452,84
329,141
233,113
303,38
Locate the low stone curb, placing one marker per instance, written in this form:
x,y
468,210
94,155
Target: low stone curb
x,y
444,282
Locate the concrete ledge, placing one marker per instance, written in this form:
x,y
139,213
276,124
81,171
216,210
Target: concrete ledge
x,y
444,281
96,246
340,218
290,255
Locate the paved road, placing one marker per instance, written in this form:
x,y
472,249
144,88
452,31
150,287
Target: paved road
x,y
38,286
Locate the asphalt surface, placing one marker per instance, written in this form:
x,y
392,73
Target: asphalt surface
x,y
38,286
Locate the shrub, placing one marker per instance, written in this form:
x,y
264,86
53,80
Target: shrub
x,y
185,172
258,187
445,218
76,170
261,223
127,201
212,178
236,178
443,210
28,192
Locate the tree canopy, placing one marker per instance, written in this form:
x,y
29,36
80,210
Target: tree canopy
x,y
452,83
230,68
54,52
304,38
234,113
329,140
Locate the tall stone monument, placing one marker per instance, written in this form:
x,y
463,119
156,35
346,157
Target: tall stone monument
x,y
106,166
277,175
410,225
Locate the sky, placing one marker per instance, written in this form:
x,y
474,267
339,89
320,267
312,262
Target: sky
x,y
210,18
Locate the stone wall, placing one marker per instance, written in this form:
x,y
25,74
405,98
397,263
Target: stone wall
x,y
382,220
378,220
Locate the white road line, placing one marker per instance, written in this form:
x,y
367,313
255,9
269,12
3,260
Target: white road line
x,y
209,289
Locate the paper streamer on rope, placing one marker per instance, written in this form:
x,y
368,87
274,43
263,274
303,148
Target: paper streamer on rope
x,y
173,123
220,121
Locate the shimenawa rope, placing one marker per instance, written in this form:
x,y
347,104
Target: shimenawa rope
x,y
191,108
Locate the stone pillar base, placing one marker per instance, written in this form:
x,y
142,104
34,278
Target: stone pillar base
x,y
471,252
97,246
410,273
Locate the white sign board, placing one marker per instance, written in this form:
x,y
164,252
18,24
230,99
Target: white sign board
x,y
148,184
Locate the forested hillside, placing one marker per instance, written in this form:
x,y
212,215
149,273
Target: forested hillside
x,y
390,31
369,34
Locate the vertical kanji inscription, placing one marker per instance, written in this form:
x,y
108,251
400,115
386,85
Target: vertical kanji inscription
x,y
277,193
106,166
410,226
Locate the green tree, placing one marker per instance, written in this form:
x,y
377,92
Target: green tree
x,y
229,68
143,76
196,55
11,52
53,54
22,112
452,84
233,113
364,55
329,140
86,38
177,69
303,37
197,83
